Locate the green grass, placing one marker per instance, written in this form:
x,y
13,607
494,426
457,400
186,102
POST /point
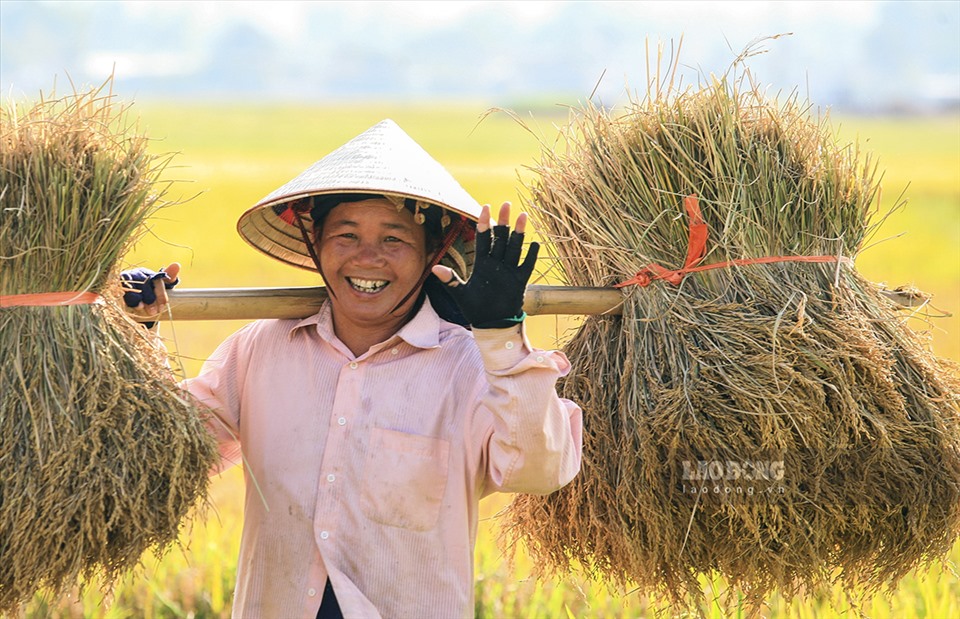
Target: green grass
x,y
231,157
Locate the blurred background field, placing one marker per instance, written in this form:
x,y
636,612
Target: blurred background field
x,y
228,157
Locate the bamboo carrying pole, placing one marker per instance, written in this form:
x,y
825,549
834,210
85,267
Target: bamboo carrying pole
x,y
256,303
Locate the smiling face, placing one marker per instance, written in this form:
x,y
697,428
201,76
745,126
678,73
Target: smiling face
x,y
372,256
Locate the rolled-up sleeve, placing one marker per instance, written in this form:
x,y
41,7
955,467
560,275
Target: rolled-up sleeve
x,y
530,439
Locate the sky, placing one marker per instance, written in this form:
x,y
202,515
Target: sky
x,y
284,18
855,53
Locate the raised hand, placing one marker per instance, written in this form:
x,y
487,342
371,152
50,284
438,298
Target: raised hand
x,y
493,296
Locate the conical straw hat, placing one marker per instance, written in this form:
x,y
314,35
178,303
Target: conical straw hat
x,y
381,160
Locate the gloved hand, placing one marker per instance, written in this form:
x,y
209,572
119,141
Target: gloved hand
x,y
146,290
493,296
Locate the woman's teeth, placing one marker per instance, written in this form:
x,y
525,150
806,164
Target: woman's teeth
x,y
367,285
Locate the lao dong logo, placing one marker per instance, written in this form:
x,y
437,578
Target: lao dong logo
x,y
750,470
731,478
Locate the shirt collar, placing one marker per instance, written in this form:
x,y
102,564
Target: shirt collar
x,y
422,332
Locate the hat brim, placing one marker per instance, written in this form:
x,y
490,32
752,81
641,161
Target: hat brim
x,y
381,161
273,235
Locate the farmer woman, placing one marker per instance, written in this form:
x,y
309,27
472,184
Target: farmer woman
x,y
371,430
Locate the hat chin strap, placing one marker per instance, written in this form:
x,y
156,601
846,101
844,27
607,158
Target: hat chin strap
x,y
448,240
312,251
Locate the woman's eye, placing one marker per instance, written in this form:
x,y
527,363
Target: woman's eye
x,y
396,239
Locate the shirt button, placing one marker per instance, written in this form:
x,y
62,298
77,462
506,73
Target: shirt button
x,y
324,535
509,345
394,351
311,592
331,477
342,421
540,359
353,365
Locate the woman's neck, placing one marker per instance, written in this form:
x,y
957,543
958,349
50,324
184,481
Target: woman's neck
x,y
359,337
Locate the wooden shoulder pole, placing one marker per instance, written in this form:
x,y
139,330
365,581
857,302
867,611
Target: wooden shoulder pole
x,y
256,303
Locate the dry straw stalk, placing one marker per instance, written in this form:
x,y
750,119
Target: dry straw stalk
x,y
100,456
802,372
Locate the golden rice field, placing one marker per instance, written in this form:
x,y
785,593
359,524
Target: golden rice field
x,y
231,156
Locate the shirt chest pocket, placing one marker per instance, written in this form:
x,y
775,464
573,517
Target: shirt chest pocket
x,y
404,479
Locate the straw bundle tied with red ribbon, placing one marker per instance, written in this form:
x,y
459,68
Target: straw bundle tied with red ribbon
x,y
101,457
759,416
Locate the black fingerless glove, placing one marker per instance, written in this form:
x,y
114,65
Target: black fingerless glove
x,y
138,287
493,296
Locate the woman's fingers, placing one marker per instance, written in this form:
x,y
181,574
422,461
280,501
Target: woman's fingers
x,y
503,219
171,276
483,223
521,226
173,272
446,275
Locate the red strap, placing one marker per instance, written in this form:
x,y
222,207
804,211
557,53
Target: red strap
x,y
43,299
696,249
697,246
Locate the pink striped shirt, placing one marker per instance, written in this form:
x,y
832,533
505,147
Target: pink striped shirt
x,y
371,468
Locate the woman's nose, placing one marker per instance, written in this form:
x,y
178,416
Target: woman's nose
x,y
368,253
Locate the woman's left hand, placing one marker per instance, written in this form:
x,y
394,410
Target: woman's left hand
x,y
493,296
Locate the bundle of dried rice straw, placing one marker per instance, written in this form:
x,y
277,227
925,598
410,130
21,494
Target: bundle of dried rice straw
x,y
100,457
771,421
